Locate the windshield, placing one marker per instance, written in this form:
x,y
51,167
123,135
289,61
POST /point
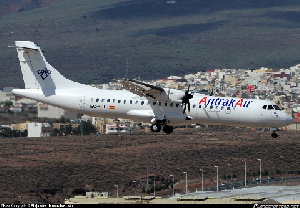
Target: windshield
x,y
271,107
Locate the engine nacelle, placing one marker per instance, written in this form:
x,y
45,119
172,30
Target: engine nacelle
x,y
174,95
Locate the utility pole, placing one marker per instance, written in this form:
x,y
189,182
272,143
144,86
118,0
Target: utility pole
x,y
282,168
202,179
217,177
186,190
259,170
230,176
245,173
173,184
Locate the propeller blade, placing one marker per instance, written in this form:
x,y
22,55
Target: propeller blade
x,y
186,99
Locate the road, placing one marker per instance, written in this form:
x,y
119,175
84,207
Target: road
x,y
240,184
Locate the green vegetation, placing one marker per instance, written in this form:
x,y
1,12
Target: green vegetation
x,y
7,133
98,41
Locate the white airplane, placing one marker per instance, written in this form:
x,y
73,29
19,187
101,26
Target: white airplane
x,y
163,107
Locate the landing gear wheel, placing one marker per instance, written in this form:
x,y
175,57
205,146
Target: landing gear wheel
x,y
274,135
168,129
155,127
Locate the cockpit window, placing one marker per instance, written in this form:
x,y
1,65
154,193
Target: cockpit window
x,y
271,107
276,107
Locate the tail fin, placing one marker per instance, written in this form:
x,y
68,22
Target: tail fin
x,y
38,73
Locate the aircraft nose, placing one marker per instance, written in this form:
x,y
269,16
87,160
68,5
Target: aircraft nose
x,y
289,120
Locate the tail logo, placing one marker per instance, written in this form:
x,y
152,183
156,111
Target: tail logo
x,y
44,73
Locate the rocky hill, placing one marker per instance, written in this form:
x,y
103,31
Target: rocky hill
x,y
9,7
98,41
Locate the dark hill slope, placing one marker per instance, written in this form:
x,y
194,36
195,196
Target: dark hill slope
x,y
97,41
9,6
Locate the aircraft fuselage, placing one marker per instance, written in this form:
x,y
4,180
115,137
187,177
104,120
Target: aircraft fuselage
x,y
124,104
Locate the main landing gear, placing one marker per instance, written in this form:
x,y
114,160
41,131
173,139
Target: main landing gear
x,y
273,130
156,127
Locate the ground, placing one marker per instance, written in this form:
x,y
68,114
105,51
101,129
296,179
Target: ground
x,y
51,169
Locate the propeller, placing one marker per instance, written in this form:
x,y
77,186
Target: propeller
x,y
186,99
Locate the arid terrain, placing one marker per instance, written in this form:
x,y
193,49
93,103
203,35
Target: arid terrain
x,y
54,168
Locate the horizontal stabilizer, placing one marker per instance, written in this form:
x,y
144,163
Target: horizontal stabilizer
x,y
27,45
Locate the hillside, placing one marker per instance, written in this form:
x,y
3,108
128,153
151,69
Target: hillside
x,y
98,41
55,168
9,7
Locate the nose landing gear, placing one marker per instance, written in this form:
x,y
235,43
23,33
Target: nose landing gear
x,y
274,135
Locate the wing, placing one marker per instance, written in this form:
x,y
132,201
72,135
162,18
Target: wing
x,y
144,89
158,93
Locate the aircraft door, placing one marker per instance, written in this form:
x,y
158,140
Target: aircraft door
x,y
81,100
227,110
198,110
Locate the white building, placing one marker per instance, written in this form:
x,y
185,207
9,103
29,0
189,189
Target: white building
x,y
3,97
115,128
39,130
96,194
49,111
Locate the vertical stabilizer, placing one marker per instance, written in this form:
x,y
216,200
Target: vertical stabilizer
x,y
38,73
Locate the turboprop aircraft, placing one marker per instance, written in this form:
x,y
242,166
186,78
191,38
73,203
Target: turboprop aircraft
x,y
162,107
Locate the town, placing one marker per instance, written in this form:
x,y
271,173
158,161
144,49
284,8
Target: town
x,y
277,85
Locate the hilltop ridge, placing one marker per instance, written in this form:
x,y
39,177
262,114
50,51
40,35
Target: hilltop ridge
x,y
9,7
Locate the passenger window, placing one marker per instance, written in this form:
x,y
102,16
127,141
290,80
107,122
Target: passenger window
x,y
142,103
171,104
108,100
159,103
119,101
270,107
154,103
124,101
130,101
194,106
177,105
211,107
199,106
97,100
114,100
102,100
136,102
166,104
265,107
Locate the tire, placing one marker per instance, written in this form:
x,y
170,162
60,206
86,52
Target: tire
x,y
168,129
155,127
